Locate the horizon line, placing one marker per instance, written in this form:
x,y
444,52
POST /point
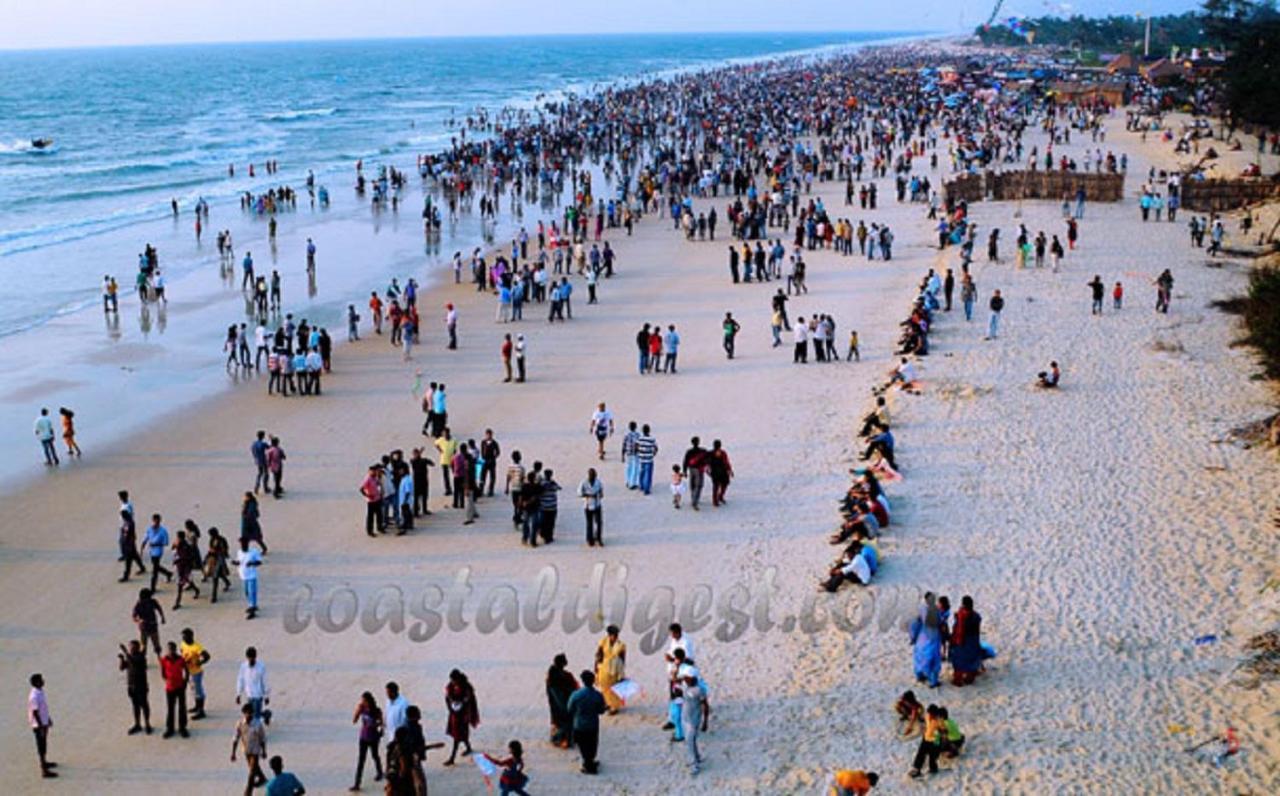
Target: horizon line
x,y
886,32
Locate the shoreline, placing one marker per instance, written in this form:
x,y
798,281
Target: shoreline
x,y
1100,528
25,355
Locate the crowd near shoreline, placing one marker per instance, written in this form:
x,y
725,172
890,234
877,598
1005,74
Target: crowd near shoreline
x,y
813,171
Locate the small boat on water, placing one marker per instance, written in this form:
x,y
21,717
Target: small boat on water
x,y
41,143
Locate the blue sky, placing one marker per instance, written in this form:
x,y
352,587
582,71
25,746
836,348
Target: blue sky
x,y
72,23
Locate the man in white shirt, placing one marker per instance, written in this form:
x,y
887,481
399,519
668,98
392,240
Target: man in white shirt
x,y
905,373
601,427
315,364
393,714
248,562
678,640
260,344
802,341
520,349
44,433
40,720
251,685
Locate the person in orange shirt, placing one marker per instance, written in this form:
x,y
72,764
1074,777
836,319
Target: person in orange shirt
x,y
69,431
375,309
854,783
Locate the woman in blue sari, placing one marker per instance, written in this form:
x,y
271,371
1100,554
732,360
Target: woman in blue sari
x,y
926,637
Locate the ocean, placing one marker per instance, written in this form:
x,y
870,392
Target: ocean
x,y
134,128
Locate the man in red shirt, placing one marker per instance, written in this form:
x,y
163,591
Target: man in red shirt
x,y
174,670
506,356
375,309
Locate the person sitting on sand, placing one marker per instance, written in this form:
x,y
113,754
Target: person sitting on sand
x,y
910,713
879,418
854,567
881,444
905,374
1049,379
952,738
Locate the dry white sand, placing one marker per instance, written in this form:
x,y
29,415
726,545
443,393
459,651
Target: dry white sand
x,y
1100,529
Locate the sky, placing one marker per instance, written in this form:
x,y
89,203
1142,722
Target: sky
x,y
37,24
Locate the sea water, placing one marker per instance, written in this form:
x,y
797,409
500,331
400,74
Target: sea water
x,y
135,128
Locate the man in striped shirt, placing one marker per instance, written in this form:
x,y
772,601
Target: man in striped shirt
x,y
550,507
629,455
646,448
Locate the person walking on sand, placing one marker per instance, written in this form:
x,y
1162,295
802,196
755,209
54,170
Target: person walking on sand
x,y
44,433
251,685
275,463
250,525
283,783
248,563
721,472
630,462
930,743
694,467
185,561
646,449
1099,292
69,432
129,539
195,656
968,295
730,328
156,541
512,780
375,311
369,716
560,685
451,325
41,722
993,324
258,449
251,737
584,707
463,713
602,427
611,662
1164,291
148,615
592,493
691,715
133,662
216,563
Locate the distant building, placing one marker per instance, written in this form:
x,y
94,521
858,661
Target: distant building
x,y
1111,92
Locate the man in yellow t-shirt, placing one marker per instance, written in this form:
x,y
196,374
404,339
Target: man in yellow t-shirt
x,y
195,657
447,446
854,783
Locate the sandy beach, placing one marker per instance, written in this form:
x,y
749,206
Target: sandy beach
x,y
1101,530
